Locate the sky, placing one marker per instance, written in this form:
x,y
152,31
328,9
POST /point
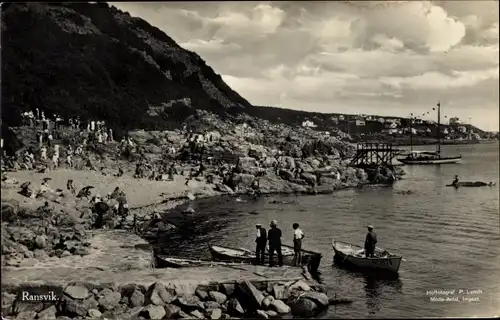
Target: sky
x,y
370,57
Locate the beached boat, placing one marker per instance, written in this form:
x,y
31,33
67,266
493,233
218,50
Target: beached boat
x,y
353,255
309,258
164,261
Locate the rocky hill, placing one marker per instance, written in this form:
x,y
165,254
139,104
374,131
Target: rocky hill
x,y
95,61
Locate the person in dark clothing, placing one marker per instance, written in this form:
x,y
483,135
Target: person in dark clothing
x,y
455,181
261,242
274,237
370,242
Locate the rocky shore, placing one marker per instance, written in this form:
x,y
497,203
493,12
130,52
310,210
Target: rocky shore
x,y
247,156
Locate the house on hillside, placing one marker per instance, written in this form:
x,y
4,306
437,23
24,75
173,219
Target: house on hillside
x,y
418,121
462,129
381,120
334,119
341,118
308,124
360,121
391,125
455,121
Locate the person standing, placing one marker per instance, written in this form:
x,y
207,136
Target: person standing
x,y
370,242
298,235
43,153
274,237
261,242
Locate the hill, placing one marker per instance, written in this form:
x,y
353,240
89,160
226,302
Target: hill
x,y
95,61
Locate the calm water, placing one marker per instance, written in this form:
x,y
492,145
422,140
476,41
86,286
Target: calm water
x,y
449,238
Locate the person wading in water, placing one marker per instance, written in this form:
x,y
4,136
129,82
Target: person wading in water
x,y
298,235
261,242
455,181
274,237
370,242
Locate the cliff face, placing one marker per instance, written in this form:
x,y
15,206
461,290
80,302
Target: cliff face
x,y
95,61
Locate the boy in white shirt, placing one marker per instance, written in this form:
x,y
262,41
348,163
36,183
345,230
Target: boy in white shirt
x,y
298,235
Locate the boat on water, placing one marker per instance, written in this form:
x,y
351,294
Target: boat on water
x,y
428,157
471,184
353,255
310,259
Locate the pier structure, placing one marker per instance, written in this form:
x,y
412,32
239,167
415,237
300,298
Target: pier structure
x,y
374,154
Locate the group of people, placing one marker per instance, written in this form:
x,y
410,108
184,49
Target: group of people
x,y
273,238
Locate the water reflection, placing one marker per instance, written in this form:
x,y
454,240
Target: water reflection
x,y
380,288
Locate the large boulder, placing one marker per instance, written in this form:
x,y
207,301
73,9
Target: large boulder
x,y
109,299
309,178
158,295
320,299
235,308
242,180
77,292
287,162
304,308
280,307
250,296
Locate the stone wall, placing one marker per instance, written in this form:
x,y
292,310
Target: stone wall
x,y
223,300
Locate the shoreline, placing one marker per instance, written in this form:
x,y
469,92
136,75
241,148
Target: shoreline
x,y
118,259
49,245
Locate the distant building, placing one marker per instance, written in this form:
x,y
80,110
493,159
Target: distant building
x,y
462,129
428,130
407,130
308,124
455,121
429,121
341,118
334,119
381,120
391,125
445,131
418,121
360,122
369,118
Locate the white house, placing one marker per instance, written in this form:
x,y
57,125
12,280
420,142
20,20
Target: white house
x,y
391,125
462,129
445,131
360,122
407,130
428,130
381,120
309,124
341,118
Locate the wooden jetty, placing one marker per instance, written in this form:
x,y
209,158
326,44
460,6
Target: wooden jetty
x,y
374,154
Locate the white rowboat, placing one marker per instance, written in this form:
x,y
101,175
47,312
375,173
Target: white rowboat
x,y
353,255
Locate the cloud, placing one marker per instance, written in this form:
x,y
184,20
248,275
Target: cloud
x,y
370,57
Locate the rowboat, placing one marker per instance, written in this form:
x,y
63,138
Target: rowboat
x,y
471,184
353,255
309,258
163,261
